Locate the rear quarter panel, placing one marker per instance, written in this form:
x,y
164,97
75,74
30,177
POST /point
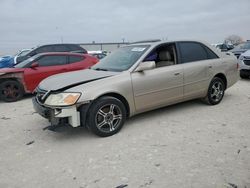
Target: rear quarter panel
x,y
227,65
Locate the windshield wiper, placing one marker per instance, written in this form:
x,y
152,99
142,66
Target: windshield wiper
x,y
101,69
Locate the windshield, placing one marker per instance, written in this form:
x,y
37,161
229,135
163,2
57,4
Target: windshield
x,y
121,59
26,63
24,52
245,45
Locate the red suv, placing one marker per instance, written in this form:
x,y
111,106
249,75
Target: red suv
x,y
24,77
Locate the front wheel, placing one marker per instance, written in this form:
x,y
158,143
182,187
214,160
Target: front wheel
x,y
215,92
11,91
106,116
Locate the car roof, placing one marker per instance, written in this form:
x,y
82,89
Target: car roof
x,y
156,43
61,53
61,44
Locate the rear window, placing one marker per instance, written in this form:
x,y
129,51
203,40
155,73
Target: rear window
x,y
76,48
194,51
44,49
52,60
210,53
74,59
61,48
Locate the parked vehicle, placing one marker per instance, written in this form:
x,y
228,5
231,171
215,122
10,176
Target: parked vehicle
x,y
97,54
241,48
52,48
224,47
24,77
244,62
134,79
10,61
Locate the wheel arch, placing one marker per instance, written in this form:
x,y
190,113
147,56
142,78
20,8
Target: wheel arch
x,y
14,77
120,97
223,77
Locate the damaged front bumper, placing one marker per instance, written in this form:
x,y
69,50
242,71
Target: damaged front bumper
x,y
54,115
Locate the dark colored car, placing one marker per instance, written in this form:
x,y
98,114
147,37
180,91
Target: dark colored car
x,y
241,48
224,47
52,48
24,77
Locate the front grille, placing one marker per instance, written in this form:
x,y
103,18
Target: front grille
x,y
247,61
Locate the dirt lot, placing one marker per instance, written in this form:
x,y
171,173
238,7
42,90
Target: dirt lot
x,y
185,145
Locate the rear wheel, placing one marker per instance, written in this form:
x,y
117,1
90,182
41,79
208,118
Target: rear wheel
x,y
11,91
106,116
215,92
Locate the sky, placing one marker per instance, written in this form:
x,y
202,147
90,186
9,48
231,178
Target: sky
x,y
28,23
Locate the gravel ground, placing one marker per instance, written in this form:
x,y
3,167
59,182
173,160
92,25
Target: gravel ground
x,y
185,145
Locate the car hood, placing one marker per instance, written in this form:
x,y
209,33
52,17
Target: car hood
x,y
247,53
71,79
10,70
238,50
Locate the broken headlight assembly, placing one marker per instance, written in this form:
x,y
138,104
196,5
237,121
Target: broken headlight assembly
x,y
62,99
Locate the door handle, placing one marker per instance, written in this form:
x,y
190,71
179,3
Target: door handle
x,y
177,73
210,66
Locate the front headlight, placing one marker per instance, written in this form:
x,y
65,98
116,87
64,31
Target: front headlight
x,y
241,57
62,99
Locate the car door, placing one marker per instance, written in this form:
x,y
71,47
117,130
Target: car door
x,y
48,65
157,87
197,63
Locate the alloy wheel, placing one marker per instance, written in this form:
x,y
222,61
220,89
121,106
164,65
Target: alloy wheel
x,y
108,118
217,91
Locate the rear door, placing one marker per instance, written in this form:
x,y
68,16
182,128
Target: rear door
x,y
197,60
48,65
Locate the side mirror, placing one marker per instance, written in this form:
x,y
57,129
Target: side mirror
x,y
147,65
34,65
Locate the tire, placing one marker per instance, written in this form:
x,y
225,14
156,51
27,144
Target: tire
x,y
11,91
215,91
106,116
244,76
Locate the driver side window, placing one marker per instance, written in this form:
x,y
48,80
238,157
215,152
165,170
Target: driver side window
x,y
164,55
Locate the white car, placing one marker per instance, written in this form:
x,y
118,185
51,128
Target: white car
x,y
244,62
21,53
